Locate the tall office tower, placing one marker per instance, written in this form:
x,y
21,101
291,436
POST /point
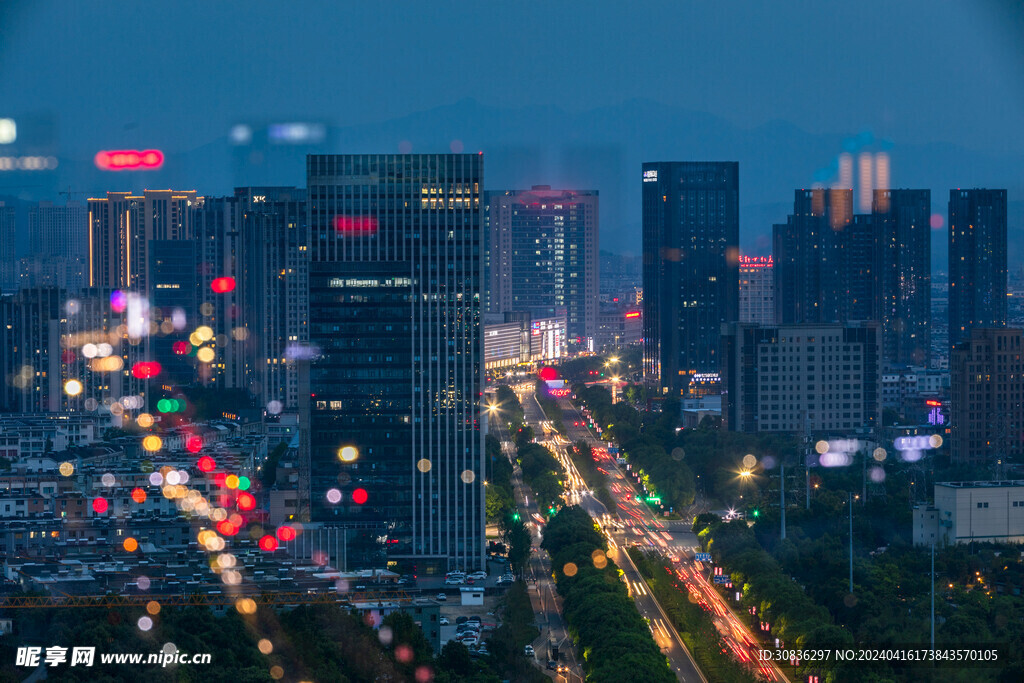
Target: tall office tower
x,y
811,283
544,255
121,225
395,280
691,268
792,378
977,261
58,239
30,351
274,284
8,255
757,290
987,413
174,304
903,228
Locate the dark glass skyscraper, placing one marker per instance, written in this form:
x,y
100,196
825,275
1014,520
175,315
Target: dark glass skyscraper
x,y
691,267
977,261
395,279
903,227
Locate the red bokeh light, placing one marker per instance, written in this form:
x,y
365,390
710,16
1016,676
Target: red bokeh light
x,y
548,374
138,495
194,444
286,533
355,225
206,464
246,501
223,285
99,505
360,496
226,528
181,347
146,369
129,159
268,543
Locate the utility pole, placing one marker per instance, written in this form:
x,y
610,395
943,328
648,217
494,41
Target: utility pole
x,y
851,541
782,494
933,595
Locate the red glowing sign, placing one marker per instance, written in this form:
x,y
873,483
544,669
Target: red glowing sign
x,y
359,496
633,314
560,392
129,160
354,226
146,370
933,403
286,533
756,262
223,285
268,543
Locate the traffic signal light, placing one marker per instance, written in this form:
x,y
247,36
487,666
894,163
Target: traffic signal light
x,y
515,516
756,513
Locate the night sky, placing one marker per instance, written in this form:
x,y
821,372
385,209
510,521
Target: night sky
x,y
552,92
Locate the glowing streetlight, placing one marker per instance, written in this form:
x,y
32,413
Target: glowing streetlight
x,y
745,473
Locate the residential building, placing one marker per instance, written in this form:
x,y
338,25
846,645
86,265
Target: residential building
x,y
977,261
902,221
987,412
30,351
802,378
544,255
691,268
8,244
757,290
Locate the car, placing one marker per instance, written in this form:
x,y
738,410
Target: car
x,y
441,596
562,669
444,621
461,620
455,581
552,665
528,651
474,619
478,575
469,582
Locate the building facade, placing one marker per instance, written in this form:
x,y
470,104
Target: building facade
x,y
757,290
543,255
966,511
30,351
618,325
802,378
395,283
691,268
903,228
987,412
8,255
977,261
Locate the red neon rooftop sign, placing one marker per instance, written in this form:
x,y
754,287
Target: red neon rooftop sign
x,y
129,160
756,261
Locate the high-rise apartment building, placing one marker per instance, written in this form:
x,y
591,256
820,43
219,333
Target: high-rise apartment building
x,y
801,378
58,239
757,290
903,231
811,283
121,226
8,255
987,386
544,255
395,283
30,351
977,261
691,268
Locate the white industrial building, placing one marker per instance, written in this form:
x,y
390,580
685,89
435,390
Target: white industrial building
x,y
967,511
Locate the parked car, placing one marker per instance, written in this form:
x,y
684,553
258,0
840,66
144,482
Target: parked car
x,y
528,651
477,576
474,620
444,621
553,665
461,620
454,581
441,596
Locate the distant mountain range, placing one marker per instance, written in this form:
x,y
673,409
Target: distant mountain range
x,y
599,149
